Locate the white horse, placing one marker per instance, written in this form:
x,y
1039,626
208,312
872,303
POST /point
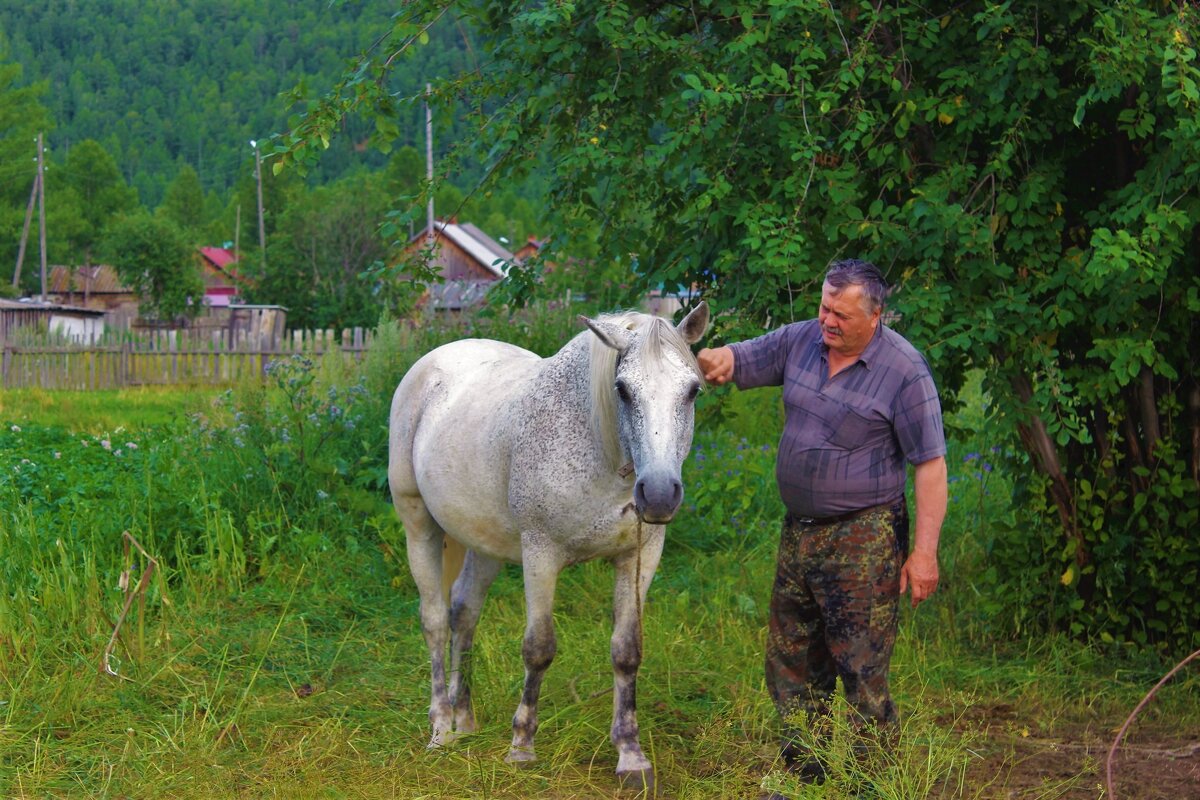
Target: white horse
x,y
545,463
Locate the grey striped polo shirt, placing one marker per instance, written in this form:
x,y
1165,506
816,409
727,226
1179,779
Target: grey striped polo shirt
x,y
845,439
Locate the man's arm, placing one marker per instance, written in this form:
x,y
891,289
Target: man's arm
x,y
920,570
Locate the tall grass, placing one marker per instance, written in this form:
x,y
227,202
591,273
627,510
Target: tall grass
x,y
277,652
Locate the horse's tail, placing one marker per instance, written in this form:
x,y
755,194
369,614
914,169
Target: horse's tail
x,y
453,554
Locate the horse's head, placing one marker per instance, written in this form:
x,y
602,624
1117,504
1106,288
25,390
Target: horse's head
x,y
652,395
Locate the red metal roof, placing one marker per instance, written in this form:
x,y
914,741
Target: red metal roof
x,y
219,256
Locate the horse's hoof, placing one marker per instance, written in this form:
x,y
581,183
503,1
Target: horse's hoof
x,y
638,780
521,758
442,740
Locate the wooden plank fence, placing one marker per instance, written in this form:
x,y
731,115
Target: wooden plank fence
x,y
164,357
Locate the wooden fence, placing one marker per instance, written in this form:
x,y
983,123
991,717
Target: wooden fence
x,y
163,357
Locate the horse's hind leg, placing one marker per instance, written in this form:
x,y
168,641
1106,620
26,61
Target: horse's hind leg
x,y
424,537
466,602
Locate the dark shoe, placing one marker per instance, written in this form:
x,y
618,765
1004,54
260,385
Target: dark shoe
x,y
808,771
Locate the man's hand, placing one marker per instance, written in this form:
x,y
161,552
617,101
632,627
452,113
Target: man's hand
x,y
920,571
920,574
716,364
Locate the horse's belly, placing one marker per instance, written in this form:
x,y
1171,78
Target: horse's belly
x,y
472,515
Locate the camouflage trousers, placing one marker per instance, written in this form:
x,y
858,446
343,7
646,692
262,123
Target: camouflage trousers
x,y
834,613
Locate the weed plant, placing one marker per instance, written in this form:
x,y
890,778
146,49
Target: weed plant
x,y
277,650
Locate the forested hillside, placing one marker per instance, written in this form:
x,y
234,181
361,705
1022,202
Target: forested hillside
x,y
149,110
161,84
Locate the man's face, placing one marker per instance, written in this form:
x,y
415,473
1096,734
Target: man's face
x,y
846,325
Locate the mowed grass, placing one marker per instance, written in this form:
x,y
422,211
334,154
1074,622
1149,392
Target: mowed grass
x,y
105,409
310,678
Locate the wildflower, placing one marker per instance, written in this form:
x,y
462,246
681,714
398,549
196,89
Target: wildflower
x,y
85,442
970,457
26,461
16,428
106,444
322,495
131,446
57,454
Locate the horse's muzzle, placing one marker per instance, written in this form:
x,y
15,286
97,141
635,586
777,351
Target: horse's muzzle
x,y
657,500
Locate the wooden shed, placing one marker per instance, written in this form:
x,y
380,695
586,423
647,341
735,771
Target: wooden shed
x,y
80,324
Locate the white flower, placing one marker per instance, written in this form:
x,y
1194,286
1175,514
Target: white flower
x,y
57,454
16,428
131,445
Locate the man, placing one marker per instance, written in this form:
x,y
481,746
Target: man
x,y
860,405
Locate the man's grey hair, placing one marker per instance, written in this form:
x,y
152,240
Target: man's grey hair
x,y
854,272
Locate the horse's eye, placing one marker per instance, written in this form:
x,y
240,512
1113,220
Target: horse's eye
x,y
622,391
692,392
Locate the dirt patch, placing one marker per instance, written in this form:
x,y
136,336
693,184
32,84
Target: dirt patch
x,y
1069,762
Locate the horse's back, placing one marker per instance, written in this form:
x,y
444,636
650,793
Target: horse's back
x,y
447,443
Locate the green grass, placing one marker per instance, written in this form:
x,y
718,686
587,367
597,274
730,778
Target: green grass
x,y
278,652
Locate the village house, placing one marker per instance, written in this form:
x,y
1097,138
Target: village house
x,y
468,263
222,283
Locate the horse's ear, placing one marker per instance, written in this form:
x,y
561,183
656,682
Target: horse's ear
x,y
614,336
694,324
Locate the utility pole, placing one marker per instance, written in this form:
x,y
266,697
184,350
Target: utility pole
x,y
262,230
429,231
41,183
25,232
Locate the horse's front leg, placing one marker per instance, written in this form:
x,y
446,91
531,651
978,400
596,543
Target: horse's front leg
x,y
538,648
633,570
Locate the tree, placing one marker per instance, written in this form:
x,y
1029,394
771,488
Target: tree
x,y
184,203
322,245
152,256
22,117
98,194
1028,175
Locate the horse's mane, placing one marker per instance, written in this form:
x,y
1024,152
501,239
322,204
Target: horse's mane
x,y
657,338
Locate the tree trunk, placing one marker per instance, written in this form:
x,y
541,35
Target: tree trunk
x,y
1148,411
1038,443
